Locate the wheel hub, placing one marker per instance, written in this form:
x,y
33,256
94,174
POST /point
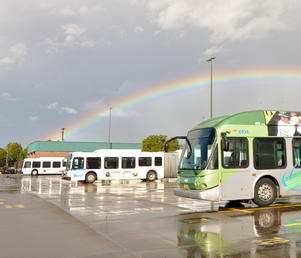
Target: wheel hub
x,y
265,192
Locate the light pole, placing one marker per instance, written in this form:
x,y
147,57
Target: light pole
x,y
109,136
63,129
210,60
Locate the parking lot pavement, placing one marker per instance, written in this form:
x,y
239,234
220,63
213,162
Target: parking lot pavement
x,y
31,227
139,219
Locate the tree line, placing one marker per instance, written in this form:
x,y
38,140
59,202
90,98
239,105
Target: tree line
x,y
12,154
155,143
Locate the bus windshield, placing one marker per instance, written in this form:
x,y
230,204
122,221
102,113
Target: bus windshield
x,y
201,141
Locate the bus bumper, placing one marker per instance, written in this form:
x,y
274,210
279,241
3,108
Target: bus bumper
x,y
67,178
212,194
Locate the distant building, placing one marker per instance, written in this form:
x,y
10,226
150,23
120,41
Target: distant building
x,y
62,149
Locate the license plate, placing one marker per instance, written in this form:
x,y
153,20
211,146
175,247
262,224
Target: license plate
x,y
186,186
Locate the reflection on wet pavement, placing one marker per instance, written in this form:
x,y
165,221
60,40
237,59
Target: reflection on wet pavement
x,y
266,232
148,220
114,199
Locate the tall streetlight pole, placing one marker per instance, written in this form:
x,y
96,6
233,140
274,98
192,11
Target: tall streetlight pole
x,y
109,136
210,60
63,129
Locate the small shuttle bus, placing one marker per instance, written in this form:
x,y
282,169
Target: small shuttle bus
x,y
114,164
253,155
43,165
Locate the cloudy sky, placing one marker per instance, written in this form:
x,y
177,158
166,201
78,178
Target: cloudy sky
x,y
62,60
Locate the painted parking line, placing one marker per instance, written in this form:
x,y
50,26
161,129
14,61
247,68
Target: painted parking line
x,y
251,210
9,206
271,241
195,220
290,225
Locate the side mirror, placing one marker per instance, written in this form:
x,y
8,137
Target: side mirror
x,y
179,137
166,147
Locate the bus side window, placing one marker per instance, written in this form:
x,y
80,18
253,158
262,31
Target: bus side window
x,y
78,163
158,161
297,152
111,163
145,161
36,164
93,163
56,164
27,164
237,155
128,162
269,153
46,164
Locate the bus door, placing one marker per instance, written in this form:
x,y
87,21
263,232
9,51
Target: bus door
x,y
236,174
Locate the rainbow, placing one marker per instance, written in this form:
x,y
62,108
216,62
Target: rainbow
x,y
155,93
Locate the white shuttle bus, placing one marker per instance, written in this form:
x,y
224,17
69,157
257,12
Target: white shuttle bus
x,y
114,164
43,166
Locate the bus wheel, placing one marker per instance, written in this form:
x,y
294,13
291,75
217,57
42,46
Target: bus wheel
x,y
90,177
34,172
151,176
265,192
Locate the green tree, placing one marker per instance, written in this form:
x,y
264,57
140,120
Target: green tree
x,y
156,143
2,155
25,152
15,152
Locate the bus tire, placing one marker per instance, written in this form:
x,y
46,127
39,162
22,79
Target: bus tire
x,y
90,177
151,175
34,172
265,192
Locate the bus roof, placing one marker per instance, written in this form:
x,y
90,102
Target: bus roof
x,y
45,158
116,152
255,117
266,122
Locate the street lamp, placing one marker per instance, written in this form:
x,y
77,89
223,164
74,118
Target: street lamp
x,y
210,60
63,129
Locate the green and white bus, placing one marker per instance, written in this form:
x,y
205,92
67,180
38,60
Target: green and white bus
x,y
253,155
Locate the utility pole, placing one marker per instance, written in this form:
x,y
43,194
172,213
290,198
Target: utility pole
x,y
63,129
109,136
210,60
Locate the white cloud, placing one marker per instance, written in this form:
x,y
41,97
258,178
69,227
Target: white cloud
x,y
76,10
52,106
226,20
32,118
73,36
123,33
213,51
56,106
7,96
69,110
66,11
139,29
17,54
6,61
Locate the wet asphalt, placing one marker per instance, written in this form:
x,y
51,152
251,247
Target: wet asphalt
x,y
46,216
